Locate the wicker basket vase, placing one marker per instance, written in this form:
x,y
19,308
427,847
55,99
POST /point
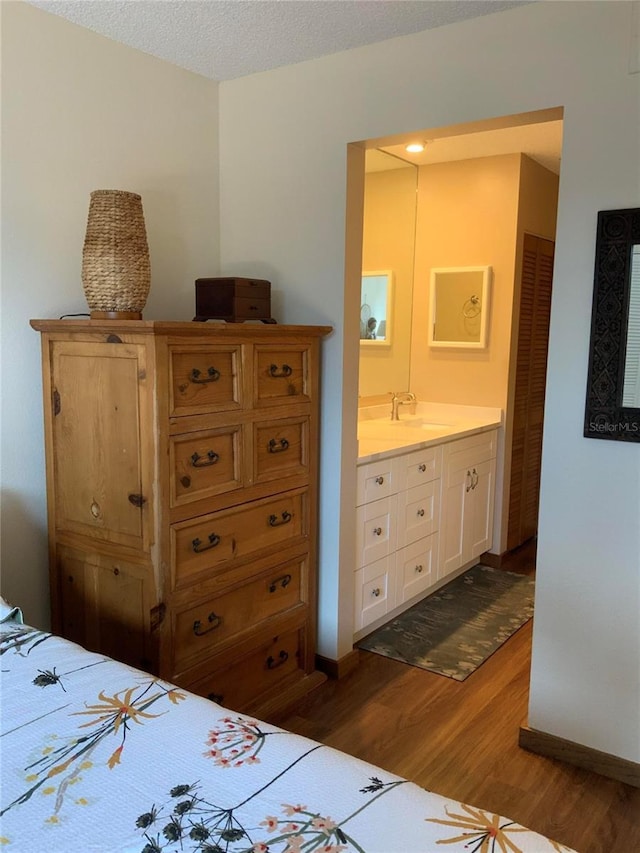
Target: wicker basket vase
x,y
116,273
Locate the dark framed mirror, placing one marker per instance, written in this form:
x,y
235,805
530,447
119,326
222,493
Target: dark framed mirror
x,y
613,384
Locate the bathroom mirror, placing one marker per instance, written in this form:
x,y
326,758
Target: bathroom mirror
x,y
376,308
459,307
613,384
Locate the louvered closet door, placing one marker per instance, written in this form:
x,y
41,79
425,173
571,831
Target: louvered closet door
x,y
531,374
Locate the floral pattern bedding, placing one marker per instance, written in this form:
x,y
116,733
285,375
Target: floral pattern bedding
x,y
97,756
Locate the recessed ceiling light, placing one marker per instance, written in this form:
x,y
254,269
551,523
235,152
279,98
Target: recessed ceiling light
x,y
415,148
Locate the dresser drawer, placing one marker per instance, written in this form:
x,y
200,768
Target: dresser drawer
x,y
215,542
261,671
280,449
280,375
205,463
224,617
204,379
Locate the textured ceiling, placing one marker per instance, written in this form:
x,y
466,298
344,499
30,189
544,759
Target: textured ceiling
x,y
225,39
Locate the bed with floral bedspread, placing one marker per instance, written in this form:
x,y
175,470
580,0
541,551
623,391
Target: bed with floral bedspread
x,y
97,756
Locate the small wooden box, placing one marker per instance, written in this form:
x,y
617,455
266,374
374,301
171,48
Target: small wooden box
x,y
233,299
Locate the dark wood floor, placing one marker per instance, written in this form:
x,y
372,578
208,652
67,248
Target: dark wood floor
x,y
461,740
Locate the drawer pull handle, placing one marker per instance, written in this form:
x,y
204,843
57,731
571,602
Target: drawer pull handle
x,y
272,663
216,697
468,486
379,480
419,569
276,446
284,581
278,372
212,376
421,512
214,621
376,592
204,461
377,531
285,518
198,547
474,478
422,468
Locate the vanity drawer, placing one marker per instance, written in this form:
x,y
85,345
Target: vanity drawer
x,y
374,591
205,463
204,378
280,449
213,543
377,480
420,466
227,616
280,375
418,512
376,530
471,450
264,670
416,567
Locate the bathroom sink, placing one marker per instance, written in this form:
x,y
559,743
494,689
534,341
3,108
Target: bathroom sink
x,y
386,428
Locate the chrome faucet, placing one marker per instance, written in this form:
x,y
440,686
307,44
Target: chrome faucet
x,y
399,398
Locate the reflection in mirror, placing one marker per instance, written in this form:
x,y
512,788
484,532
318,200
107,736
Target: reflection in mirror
x,y
612,409
631,386
389,226
459,307
376,306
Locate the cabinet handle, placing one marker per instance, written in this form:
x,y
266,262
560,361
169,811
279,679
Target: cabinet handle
x,y
468,487
272,663
474,478
284,581
419,569
214,622
216,697
379,480
276,446
212,376
136,500
420,512
285,518
204,461
377,531
422,467
376,592
198,547
277,372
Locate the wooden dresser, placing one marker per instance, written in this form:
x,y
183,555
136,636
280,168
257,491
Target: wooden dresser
x,y
181,484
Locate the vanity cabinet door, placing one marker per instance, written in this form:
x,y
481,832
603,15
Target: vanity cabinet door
x,y
481,526
455,493
467,504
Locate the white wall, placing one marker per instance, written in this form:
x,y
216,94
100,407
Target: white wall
x,y
283,138
80,112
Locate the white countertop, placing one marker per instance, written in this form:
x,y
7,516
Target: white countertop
x,y
432,423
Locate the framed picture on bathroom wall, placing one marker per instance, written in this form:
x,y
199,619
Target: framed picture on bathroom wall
x,y
459,307
376,308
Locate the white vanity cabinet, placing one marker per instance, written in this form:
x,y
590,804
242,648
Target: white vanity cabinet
x,y
397,520
469,470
